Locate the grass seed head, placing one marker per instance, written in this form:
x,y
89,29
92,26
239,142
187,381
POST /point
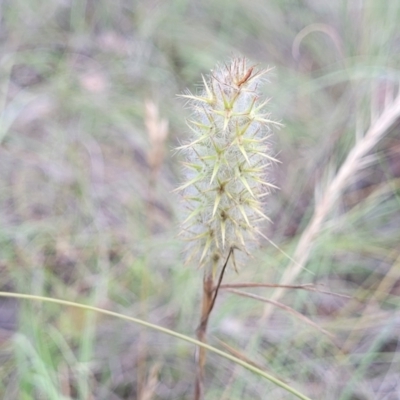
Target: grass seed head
x,y
227,162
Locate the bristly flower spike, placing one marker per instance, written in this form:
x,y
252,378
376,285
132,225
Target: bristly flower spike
x,y
227,162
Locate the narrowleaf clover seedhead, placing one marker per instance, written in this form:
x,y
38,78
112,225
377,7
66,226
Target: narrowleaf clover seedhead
x,y
226,163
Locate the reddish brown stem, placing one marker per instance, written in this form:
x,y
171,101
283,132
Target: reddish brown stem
x,y
209,296
208,286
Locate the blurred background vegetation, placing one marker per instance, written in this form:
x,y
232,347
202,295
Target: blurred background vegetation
x,y
87,211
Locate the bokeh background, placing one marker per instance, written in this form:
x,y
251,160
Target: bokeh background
x,y
89,119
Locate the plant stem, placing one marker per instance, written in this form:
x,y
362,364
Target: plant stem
x,y
209,296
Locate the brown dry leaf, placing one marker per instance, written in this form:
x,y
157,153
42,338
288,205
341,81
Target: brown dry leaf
x,y
157,130
286,308
151,384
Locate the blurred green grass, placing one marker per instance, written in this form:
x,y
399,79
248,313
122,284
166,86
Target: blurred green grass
x,y
79,220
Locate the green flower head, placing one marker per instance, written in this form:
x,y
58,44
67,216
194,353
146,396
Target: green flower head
x,y
226,163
